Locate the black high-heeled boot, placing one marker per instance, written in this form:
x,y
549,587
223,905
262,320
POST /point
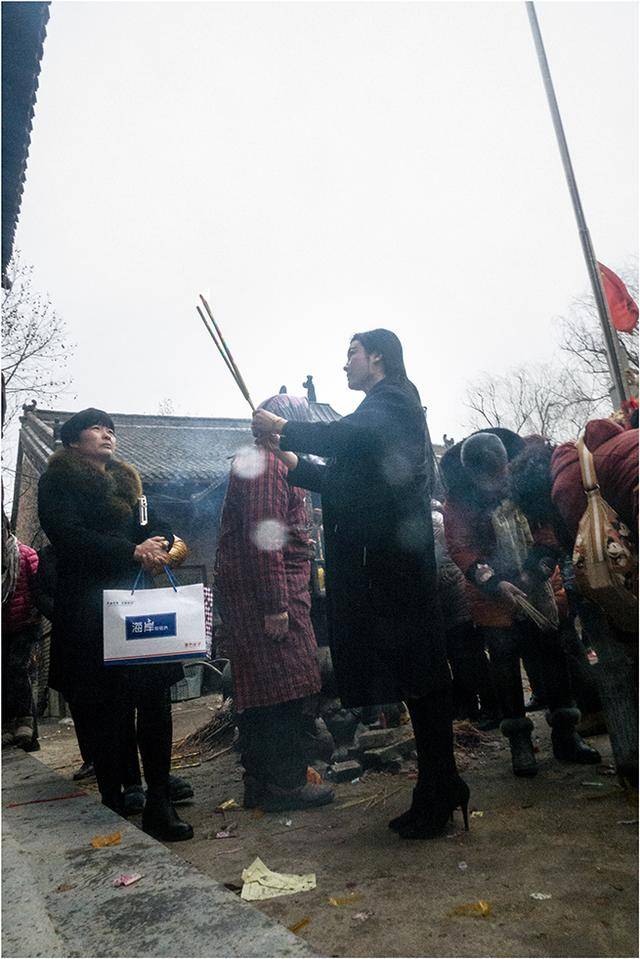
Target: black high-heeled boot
x,y
439,789
430,818
160,819
398,822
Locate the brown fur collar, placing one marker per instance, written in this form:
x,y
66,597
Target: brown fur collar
x,y
116,491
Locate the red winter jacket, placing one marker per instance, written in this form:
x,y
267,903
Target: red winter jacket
x,y
19,610
615,457
470,539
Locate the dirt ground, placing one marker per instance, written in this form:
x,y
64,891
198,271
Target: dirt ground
x,y
569,834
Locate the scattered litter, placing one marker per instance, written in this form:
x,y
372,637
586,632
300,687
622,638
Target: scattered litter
x,y
127,879
601,785
462,866
356,780
627,822
607,771
540,895
480,909
227,805
284,821
206,740
261,883
67,721
65,887
357,802
372,800
363,916
113,839
297,926
477,813
466,736
313,776
257,813
229,832
344,900
184,756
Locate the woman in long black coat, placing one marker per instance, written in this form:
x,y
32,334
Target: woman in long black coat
x,y
90,508
386,632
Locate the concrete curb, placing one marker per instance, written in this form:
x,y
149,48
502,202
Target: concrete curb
x,y
173,911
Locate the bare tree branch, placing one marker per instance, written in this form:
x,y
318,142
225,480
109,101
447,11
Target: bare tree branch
x,y
35,346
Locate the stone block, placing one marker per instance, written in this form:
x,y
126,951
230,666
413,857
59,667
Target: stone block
x,y
388,759
344,772
391,755
377,738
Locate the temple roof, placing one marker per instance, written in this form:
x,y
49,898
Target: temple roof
x,y
23,33
165,449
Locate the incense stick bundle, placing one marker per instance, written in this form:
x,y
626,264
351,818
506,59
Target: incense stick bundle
x,y
215,340
215,333
538,618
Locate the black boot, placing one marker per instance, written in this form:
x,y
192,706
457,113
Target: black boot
x,y
518,732
113,800
568,746
86,771
133,800
179,789
429,818
440,789
253,791
397,823
160,819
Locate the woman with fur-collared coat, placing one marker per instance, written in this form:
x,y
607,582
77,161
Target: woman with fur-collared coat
x,y
89,508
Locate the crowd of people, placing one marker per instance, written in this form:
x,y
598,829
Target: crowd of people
x,y
440,582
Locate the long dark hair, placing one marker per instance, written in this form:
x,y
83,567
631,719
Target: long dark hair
x,y
530,481
389,347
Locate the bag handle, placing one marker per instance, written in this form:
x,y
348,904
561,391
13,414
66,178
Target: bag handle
x,y
137,580
170,576
587,467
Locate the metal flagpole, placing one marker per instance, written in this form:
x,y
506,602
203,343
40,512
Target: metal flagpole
x,y
610,339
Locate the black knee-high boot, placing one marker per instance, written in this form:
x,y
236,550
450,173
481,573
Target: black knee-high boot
x,y
439,789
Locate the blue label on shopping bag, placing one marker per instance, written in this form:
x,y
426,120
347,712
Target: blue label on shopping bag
x,y
155,626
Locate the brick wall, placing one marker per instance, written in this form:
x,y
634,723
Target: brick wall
x,y
27,525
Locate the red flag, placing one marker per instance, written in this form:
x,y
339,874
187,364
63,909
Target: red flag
x,y
623,310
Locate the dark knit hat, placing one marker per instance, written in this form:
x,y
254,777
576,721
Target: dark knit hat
x,y
484,452
71,430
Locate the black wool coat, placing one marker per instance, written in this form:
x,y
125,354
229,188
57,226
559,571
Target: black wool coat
x,y
91,519
385,624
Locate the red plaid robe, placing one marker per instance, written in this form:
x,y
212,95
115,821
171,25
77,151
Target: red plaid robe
x,y
254,581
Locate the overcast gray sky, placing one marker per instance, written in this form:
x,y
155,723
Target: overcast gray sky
x,y
320,169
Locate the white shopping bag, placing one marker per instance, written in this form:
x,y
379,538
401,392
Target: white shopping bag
x,y
153,625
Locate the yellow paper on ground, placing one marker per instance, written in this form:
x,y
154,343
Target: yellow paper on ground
x,y
113,839
259,882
